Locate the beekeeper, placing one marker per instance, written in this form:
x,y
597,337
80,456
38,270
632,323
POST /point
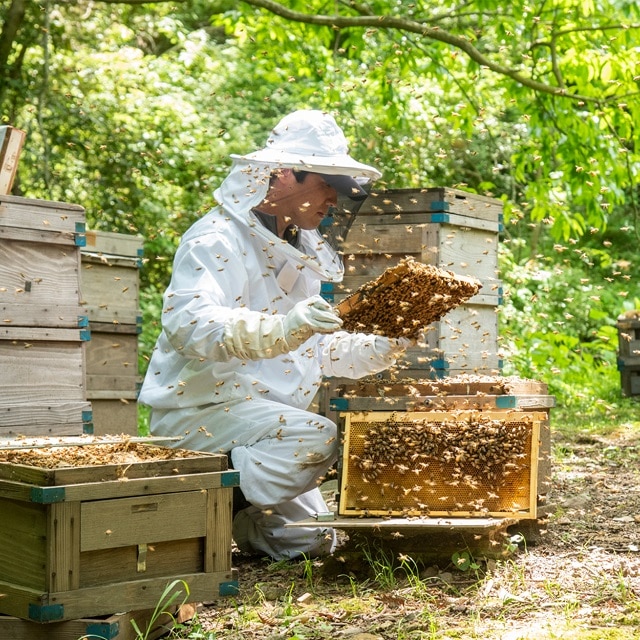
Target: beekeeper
x,y
246,338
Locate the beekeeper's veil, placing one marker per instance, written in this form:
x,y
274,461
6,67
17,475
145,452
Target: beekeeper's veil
x,y
307,140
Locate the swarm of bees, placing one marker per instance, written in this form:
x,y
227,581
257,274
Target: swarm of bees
x,y
405,299
472,464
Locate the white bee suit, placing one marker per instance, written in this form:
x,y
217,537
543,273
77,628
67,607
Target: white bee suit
x,y
229,374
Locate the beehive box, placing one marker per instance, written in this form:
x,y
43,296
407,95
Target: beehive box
x,y
452,394
110,284
84,541
43,331
446,228
432,464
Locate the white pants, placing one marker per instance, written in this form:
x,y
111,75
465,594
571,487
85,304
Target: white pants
x,y
281,454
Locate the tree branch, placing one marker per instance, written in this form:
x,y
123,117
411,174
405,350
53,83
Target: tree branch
x,y
425,31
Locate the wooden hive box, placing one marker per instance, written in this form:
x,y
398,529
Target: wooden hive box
x,y
80,542
456,394
446,228
43,332
110,284
440,464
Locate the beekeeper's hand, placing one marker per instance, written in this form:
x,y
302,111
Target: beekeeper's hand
x,y
314,315
249,335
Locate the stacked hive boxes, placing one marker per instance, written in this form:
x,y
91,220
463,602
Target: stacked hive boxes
x,y
446,228
110,297
629,352
43,331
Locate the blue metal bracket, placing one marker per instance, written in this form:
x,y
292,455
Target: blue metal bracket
x,y
230,588
47,495
103,630
46,613
81,238
230,479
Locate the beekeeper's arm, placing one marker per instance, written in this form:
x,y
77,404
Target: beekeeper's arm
x,y
353,355
201,319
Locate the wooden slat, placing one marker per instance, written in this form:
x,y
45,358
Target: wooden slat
x,y
114,355
114,415
13,415
40,215
120,564
132,521
63,543
113,244
22,544
395,201
112,627
145,593
38,372
217,553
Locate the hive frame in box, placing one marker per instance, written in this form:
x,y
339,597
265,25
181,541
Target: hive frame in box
x,y
436,489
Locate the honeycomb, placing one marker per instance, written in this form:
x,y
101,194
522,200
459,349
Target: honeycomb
x,y
405,299
470,463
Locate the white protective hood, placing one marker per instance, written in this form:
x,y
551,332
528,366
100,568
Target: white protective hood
x,y
308,140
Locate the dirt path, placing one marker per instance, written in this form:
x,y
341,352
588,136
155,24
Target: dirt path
x,y
580,580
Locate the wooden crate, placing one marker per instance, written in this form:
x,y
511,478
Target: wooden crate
x,y
110,278
110,287
40,263
629,377
78,542
446,228
453,394
117,626
42,376
435,470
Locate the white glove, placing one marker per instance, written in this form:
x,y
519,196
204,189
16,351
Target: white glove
x,y
252,336
314,315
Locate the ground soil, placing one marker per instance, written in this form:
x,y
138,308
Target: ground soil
x,y
577,577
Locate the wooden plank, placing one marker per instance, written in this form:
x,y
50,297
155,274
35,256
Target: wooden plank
x,y
372,238
113,355
443,403
144,593
398,201
217,553
465,251
121,564
114,415
136,520
38,372
59,316
14,416
23,552
41,215
68,239
113,387
110,293
63,554
106,490
110,627
114,244
37,282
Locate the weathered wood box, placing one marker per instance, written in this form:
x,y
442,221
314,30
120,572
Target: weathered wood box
x,y
85,541
447,228
110,286
42,377
40,262
43,331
